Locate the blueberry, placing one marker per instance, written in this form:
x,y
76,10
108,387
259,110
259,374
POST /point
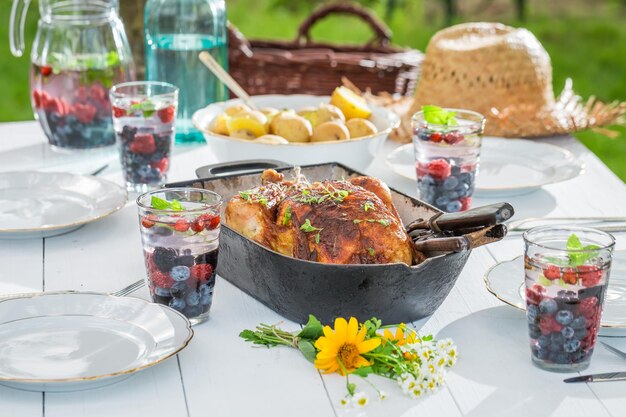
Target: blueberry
x,y
204,290
208,258
450,183
177,304
178,289
564,317
452,195
463,190
578,323
567,332
423,134
442,201
543,341
566,293
164,258
571,345
532,313
534,331
555,347
162,292
561,358
548,306
540,353
206,299
180,273
557,338
580,333
467,178
453,206
591,292
578,356
193,298
192,311
186,260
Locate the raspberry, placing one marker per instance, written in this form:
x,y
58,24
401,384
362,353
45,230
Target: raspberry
x,y
211,221
97,92
552,272
161,279
118,112
453,137
198,224
466,202
548,324
202,272
533,294
588,307
436,137
422,169
167,114
589,274
569,276
439,168
85,113
181,225
147,221
37,98
46,70
143,144
160,165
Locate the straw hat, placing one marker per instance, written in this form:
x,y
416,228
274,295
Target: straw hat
x,y
505,74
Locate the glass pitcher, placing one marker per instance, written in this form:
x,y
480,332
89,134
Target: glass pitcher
x,y
80,51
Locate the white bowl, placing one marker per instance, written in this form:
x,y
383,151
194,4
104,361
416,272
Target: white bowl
x,y
357,153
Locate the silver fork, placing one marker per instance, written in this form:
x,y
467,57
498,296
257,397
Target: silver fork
x,y
614,350
129,288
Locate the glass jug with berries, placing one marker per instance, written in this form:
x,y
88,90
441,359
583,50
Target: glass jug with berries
x,y
79,52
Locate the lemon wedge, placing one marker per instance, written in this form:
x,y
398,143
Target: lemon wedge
x,y
351,104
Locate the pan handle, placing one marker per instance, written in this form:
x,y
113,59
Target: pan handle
x,y
239,167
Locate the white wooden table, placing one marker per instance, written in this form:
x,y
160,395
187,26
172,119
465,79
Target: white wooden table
x,y
220,375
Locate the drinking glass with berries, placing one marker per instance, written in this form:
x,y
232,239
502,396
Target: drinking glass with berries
x,y
180,235
447,149
566,273
144,116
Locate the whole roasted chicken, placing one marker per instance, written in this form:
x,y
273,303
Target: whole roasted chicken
x,y
340,222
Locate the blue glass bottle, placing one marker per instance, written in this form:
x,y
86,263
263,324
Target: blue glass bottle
x,y
176,31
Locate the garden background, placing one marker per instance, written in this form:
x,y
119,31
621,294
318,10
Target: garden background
x,y
585,39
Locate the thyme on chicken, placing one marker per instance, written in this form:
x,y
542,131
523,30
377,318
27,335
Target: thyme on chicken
x,y
309,228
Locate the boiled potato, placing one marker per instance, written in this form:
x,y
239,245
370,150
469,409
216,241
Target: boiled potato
x,y
219,125
306,110
280,113
330,131
322,114
360,127
237,108
247,125
270,113
292,127
351,104
271,140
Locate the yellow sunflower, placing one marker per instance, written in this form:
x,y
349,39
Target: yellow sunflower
x,y
343,346
399,337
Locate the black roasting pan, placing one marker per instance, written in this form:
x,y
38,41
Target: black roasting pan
x,y
296,288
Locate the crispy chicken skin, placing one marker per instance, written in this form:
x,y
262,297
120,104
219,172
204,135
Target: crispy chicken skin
x,y
338,222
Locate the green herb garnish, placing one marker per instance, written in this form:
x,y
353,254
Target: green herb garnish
x,y
371,251
245,195
287,216
384,222
579,254
263,201
160,204
308,227
438,116
146,107
356,221
368,206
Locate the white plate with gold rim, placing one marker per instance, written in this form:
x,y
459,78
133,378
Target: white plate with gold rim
x,y
508,167
43,204
71,341
505,280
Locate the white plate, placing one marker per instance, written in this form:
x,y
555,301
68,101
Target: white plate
x,y
505,280
357,153
44,204
508,167
74,341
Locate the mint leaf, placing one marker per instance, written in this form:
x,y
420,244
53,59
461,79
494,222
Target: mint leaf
x,y
438,116
312,330
175,205
573,243
245,195
578,257
287,216
159,203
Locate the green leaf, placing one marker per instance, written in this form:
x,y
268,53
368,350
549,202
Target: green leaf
x,y
372,325
287,216
307,349
438,116
312,330
317,238
368,206
581,253
308,227
384,222
356,221
175,205
363,371
351,388
573,243
427,338
159,203
371,251
263,201
245,195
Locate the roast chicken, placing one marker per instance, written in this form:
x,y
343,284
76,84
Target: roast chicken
x,y
350,221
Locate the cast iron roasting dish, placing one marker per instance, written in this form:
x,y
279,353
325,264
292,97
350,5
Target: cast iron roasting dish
x,y
395,293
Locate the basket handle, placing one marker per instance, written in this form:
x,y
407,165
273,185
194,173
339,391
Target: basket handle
x,y
381,31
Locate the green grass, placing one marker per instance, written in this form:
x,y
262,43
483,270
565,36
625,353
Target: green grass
x,y
586,41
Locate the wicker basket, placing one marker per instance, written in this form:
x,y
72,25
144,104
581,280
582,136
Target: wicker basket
x,y
306,67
